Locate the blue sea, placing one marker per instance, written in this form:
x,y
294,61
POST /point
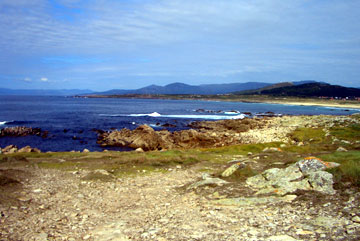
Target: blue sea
x,y
72,122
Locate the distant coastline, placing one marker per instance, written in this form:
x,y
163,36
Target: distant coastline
x,y
353,104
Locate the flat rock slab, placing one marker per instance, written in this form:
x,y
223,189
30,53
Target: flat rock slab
x,y
248,201
328,222
281,238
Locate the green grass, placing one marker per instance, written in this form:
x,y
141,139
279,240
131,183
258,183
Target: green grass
x,y
349,170
67,165
350,133
313,135
242,149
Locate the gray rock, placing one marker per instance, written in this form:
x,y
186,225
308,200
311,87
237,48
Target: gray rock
x,y
233,168
207,180
341,149
321,181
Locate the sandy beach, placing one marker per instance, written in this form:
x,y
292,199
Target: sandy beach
x,y
337,105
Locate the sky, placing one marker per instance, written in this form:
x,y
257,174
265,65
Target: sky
x,y
128,44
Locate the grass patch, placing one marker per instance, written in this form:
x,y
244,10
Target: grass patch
x,y
95,176
350,133
67,166
311,149
127,171
313,135
243,149
349,170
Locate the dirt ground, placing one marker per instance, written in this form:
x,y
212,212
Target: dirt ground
x,y
50,204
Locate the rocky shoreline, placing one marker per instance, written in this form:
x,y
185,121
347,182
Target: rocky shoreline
x,y
205,134
202,134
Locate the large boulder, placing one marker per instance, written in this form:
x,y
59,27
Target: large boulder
x,y
14,149
306,174
143,137
27,149
9,149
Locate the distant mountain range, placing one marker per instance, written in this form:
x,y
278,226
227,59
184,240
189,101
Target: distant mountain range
x,y
305,90
300,88
40,92
181,88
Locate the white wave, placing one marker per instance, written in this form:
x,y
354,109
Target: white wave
x,y
154,114
5,122
209,117
231,112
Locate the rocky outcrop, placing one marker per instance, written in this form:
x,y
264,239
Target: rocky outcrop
x,y
307,174
22,131
14,149
206,134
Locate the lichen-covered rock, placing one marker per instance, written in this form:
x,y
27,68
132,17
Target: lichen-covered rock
x,y
321,181
306,174
311,164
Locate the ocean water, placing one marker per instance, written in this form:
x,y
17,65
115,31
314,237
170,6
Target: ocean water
x,y
71,122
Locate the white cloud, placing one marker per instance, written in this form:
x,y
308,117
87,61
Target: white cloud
x,y
27,79
44,79
181,37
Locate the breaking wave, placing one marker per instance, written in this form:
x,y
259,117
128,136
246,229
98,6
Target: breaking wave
x,y
209,117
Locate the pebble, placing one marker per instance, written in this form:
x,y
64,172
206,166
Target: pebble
x,y
86,237
356,219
